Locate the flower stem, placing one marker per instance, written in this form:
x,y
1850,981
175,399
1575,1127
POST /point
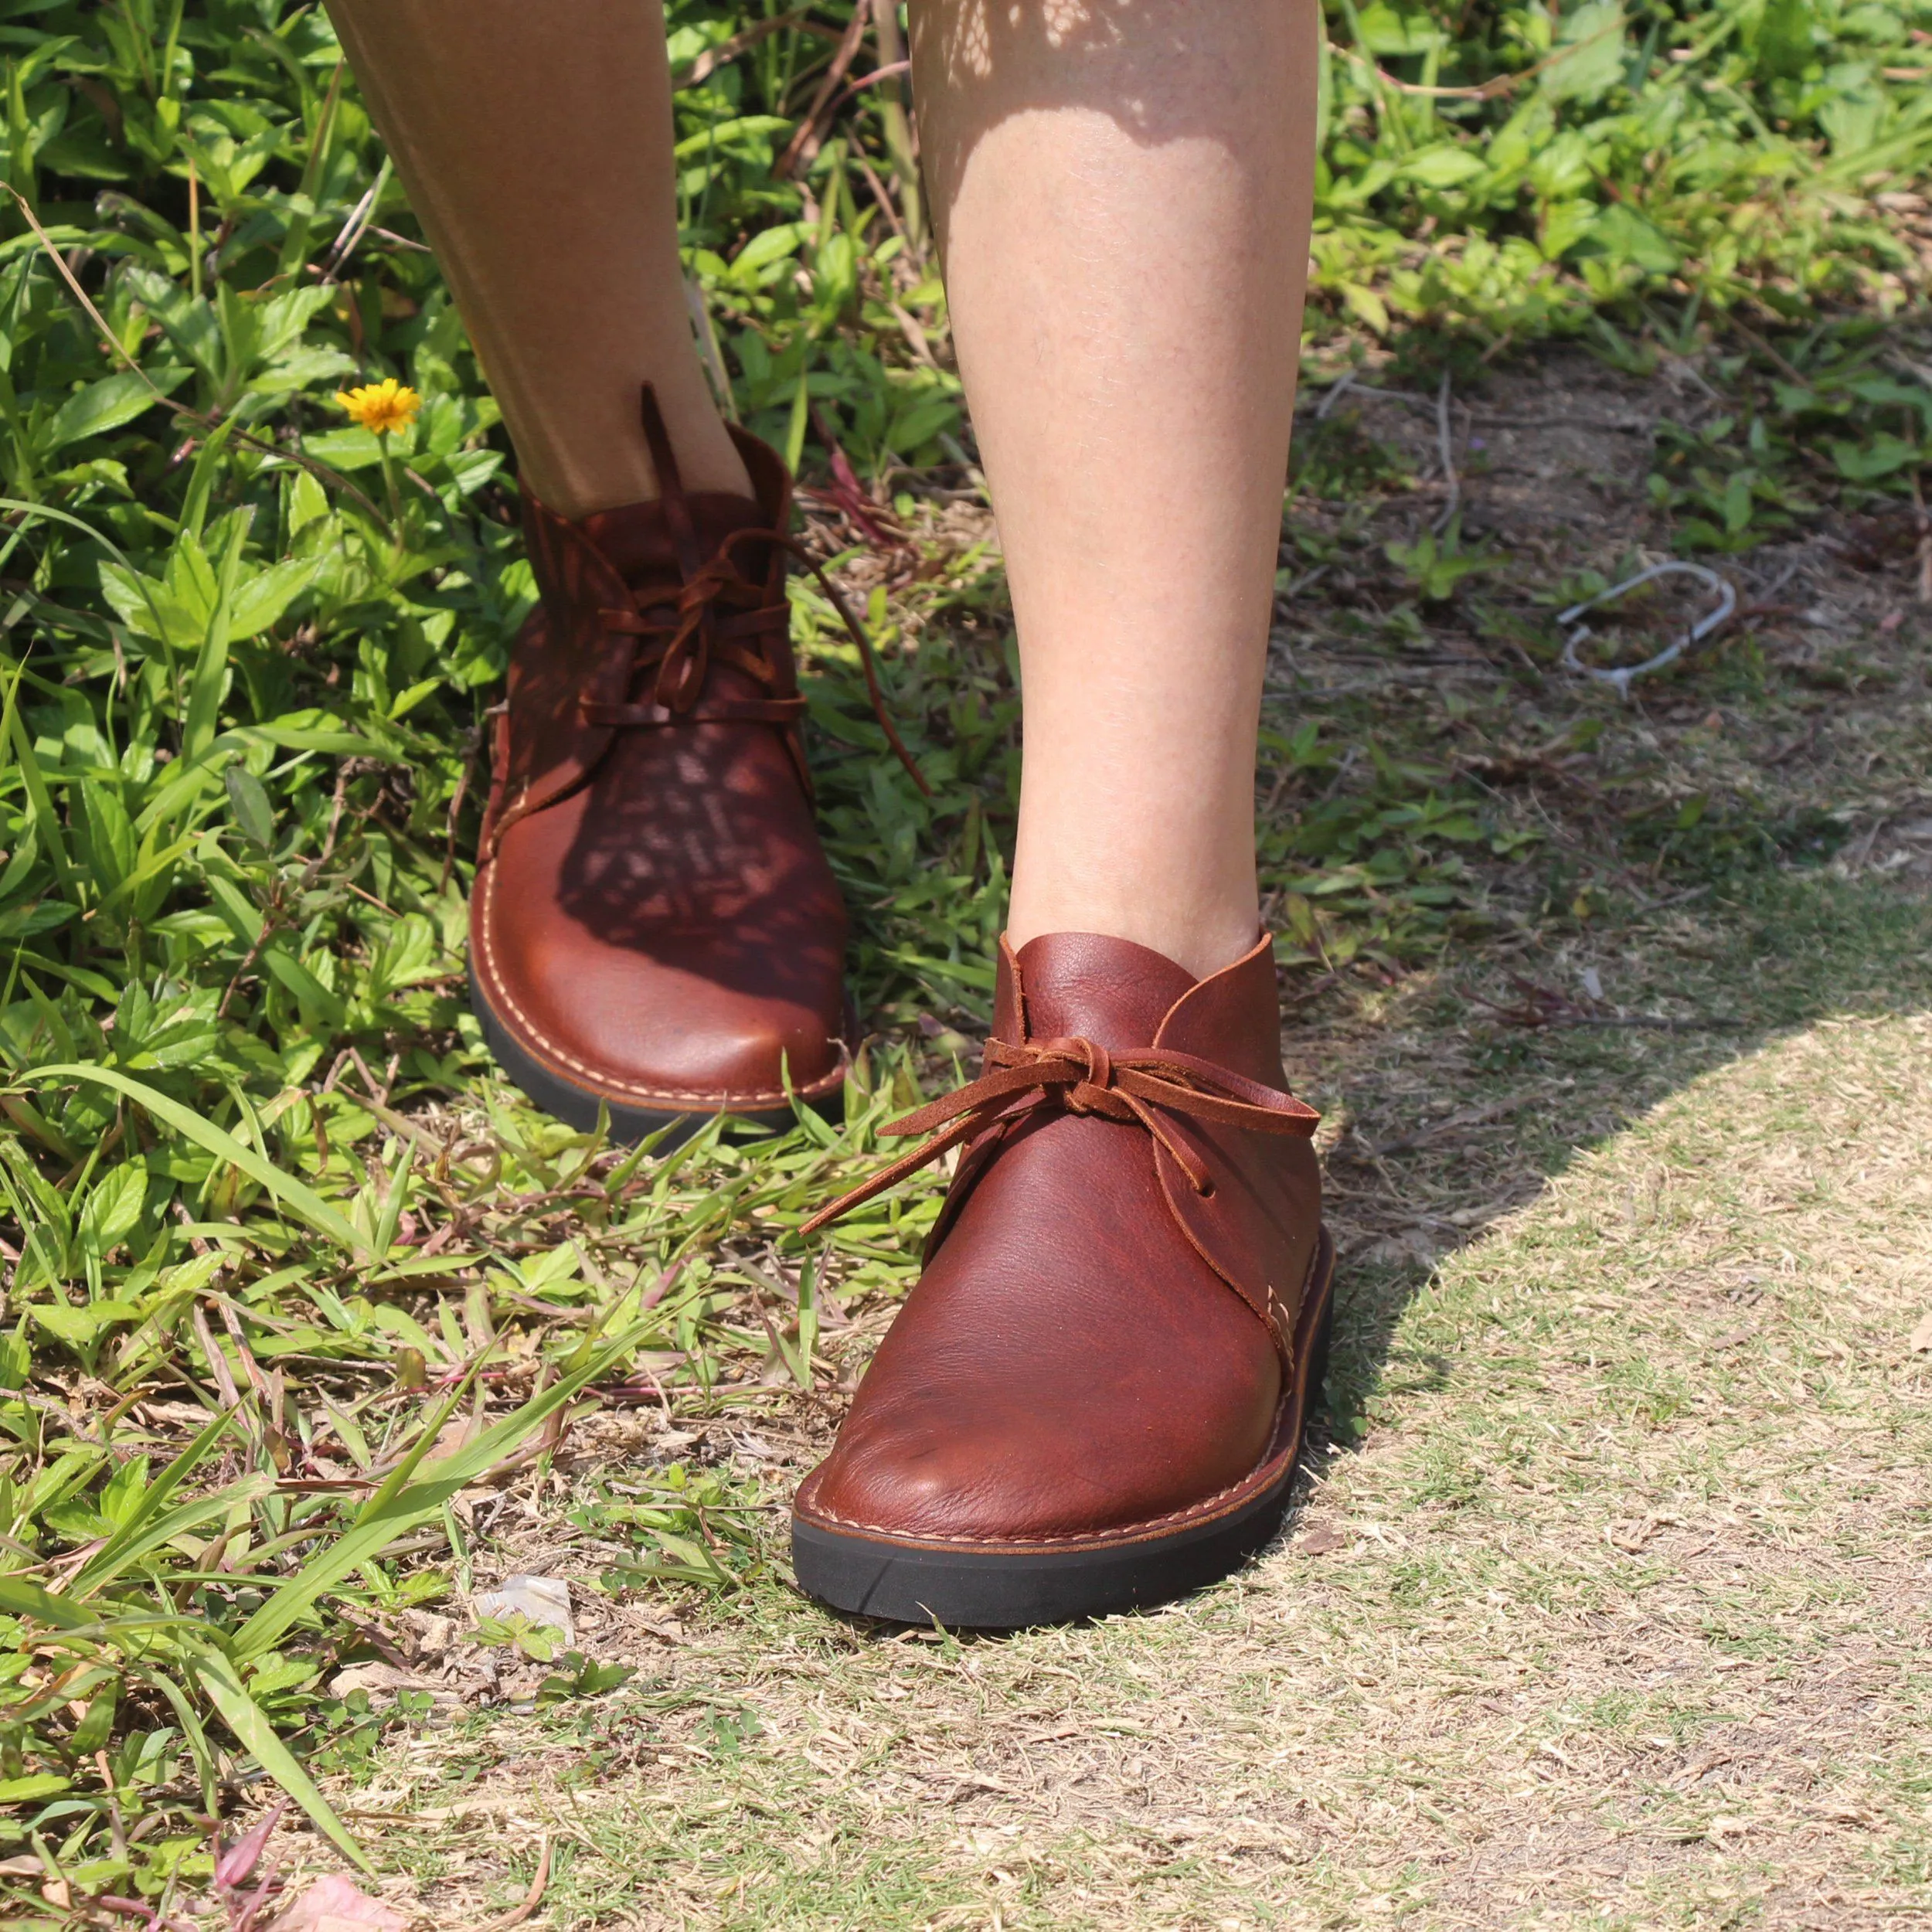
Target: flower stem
x,y
395,494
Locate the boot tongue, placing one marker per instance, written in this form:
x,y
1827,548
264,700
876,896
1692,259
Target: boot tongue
x,y
638,540
1107,990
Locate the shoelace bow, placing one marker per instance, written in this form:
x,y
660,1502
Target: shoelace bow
x,y
718,609
1082,1076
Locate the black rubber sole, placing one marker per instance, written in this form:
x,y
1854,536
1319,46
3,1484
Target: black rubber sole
x,y
579,1106
971,1588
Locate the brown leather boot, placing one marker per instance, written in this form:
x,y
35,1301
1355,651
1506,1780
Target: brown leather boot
x,y
1094,1396
653,928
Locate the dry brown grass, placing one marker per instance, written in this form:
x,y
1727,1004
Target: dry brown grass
x,y
1616,1616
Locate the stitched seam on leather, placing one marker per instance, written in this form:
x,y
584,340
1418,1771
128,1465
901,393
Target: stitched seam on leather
x,y
1124,1532
538,1037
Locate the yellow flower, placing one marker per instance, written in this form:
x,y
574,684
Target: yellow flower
x,y
381,406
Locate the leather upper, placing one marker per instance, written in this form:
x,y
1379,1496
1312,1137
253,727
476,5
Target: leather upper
x,y
1097,1342
654,919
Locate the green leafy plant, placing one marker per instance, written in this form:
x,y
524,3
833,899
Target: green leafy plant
x,y
1435,561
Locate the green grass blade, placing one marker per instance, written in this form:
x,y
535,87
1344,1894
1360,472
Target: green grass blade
x,y
243,1716
299,1199
392,1513
106,1562
39,511
211,665
127,1549
192,1728
20,1598
42,817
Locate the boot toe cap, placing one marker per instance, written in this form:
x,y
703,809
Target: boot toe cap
x,y
685,1026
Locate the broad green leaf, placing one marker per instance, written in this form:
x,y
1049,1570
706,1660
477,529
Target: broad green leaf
x,y
1621,232
253,814
774,244
82,1326
107,405
1590,57
310,993
1394,32
1363,301
112,1210
1445,166
1784,39
1884,454
260,601
23,1790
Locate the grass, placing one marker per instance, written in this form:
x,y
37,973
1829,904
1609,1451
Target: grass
x,y
1603,1602
301,1298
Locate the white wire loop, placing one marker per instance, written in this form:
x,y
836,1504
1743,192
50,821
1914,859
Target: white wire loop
x,y
1621,677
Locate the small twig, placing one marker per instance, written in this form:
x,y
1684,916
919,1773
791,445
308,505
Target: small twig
x,y
713,356
892,72
708,63
1502,84
217,1363
1655,1020
875,185
357,226
456,809
531,1899
1765,349
1470,1116
232,1322
916,338
1336,390
269,922
803,148
1446,449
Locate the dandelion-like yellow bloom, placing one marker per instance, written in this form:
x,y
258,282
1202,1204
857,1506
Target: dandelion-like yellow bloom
x,y
381,406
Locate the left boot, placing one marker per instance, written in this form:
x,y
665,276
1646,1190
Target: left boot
x,y
655,935
1094,1397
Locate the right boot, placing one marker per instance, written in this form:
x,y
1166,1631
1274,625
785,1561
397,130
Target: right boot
x,y
1093,1398
654,928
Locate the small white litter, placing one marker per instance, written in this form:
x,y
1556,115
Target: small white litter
x,y
1621,678
544,1600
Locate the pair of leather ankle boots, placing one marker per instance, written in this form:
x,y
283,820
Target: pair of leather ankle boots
x,y
1094,1396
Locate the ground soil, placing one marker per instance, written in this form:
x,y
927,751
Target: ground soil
x,y
1603,1600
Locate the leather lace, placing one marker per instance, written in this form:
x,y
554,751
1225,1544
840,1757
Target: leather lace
x,y
1079,1075
720,615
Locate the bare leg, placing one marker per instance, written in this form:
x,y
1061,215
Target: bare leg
x,y
536,144
1123,189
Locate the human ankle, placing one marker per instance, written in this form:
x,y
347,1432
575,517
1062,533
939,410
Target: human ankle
x,y
1204,940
